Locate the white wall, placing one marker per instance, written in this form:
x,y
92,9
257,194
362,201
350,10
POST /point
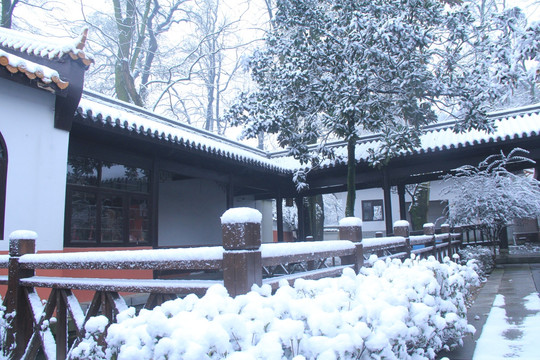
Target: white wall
x,y
265,207
370,227
37,164
189,212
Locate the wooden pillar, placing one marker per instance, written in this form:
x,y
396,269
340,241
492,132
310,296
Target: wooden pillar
x,y
387,201
20,243
429,229
242,262
445,229
459,231
230,193
401,228
279,218
154,210
301,234
350,228
402,205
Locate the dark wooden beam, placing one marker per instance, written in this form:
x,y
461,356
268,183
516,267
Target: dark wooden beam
x,y
301,235
279,218
387,201
402,207
154,198
230,193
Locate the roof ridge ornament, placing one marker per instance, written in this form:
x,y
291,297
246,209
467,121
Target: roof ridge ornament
x,y
82,39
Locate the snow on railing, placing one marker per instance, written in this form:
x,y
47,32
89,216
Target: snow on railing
x,y
242,258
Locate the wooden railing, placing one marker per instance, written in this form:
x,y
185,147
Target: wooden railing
x,y
242,259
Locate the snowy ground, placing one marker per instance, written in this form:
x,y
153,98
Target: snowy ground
x,y
510,337
513,324
525,249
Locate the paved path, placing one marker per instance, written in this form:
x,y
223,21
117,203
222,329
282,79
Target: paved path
x,y
514,282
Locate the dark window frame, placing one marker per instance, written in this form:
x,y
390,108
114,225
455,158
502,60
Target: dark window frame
x,y
103,191
372,204
3,183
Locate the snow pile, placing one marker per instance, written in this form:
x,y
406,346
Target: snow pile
x,y
393,310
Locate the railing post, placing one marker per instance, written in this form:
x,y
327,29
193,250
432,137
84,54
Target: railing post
x,y
401,228
445,229
459,230
350,228
242,262
429,229
20,243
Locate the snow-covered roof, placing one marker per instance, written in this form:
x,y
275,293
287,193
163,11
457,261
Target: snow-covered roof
x,y
44,47
517,123
44,74
104,110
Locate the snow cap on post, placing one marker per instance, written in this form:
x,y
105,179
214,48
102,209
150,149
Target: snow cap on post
x,y
241,215
241,229
401,228
445,228
350,221
429,229
22,242
350,228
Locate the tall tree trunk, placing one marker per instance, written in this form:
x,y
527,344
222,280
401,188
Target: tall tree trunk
x,y
316,217
420,206
351,177
7,12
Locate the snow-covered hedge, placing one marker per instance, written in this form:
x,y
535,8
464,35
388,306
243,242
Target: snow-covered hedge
x,y
482,256
393,310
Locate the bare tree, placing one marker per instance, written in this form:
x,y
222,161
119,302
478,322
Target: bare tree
x,y
201,79
9,6
128,40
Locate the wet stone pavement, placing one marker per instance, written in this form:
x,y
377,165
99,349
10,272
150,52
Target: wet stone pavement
x,y
502,299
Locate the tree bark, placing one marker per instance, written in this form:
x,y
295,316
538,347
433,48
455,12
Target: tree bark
x,y
7,12
351,177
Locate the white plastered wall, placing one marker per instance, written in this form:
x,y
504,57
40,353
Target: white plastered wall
x,y
189,212
37,163
265,207
370,227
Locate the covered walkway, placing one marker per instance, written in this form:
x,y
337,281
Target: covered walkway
x,y
506,314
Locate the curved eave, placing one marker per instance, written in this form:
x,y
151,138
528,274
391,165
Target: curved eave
x,y
181,143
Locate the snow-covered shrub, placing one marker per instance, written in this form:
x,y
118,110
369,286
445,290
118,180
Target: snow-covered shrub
x,y
5,321
393,310
90,348
491,196
482,257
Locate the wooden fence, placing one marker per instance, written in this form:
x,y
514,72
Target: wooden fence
x,y
243,260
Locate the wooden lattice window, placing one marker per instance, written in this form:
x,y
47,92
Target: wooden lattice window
x,y
107,204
